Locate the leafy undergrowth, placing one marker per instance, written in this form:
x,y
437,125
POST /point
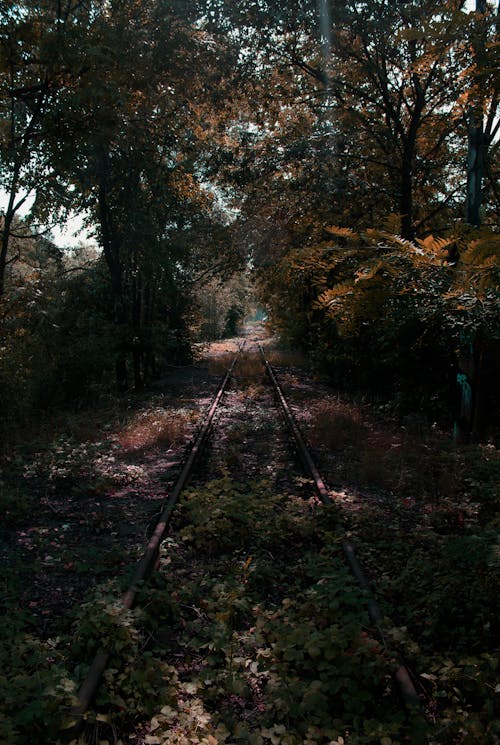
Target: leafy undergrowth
x,y
75,505
423,516
266,639
266,629
36,694
253,631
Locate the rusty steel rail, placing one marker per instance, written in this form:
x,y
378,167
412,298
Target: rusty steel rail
x,y
402,676
149,558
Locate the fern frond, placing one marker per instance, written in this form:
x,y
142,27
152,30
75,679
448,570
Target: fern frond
x,y
435,245
392,223
334,296
482,249
340,232
367,273
398,240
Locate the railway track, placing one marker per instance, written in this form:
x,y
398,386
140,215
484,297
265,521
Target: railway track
x,y
213,453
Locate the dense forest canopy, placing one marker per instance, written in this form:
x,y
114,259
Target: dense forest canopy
x,y
345,153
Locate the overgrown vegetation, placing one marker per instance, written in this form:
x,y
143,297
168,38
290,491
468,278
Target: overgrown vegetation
x,y
182,179
253,631
397,319
316,152
271,640
38,691
222,306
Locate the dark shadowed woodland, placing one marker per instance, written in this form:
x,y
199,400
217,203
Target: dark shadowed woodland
x,y
229,190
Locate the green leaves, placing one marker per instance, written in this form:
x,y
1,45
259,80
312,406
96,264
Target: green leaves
x,y
38,690
285,643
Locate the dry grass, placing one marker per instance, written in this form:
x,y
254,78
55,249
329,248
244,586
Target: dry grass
x,y
407,462
336,426
424,467
411,466
248,390
153,428
376,456
249,365
220,364
286,358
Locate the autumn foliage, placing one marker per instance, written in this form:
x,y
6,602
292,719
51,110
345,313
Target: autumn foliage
x,y
391,316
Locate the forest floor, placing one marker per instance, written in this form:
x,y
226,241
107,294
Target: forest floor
x,y
80,498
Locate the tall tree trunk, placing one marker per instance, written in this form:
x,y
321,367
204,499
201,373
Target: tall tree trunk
x,y
4,250
475,155
467,422
110,246
18,160
406,199
475,163
409,145
138,339
7,225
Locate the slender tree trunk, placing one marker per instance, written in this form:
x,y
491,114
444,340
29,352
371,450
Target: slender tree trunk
x,y
406,200
475,163
146,325
468,418
467,424
136,356
18,159
409,146
4,250
7,224
150,305
111,255
137,341
475,156
477,415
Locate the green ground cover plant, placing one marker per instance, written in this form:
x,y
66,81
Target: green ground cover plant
x,y
36,686
271,638
253,630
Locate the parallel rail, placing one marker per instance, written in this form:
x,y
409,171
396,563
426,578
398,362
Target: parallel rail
x,y
150,555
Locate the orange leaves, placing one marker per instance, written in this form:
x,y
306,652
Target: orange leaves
x,y
370,272
436,246
483,250
342,233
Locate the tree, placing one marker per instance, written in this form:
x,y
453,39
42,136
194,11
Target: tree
x,y
24,93
127,136
222,304
394,76
387,81
33,37
109,107
481,102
